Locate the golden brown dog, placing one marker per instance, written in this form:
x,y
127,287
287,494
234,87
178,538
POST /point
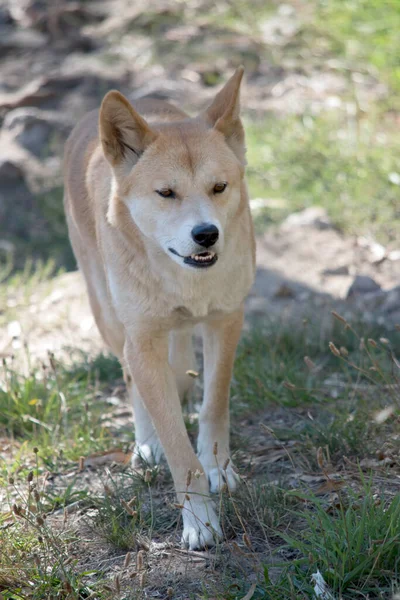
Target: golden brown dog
x,y
159,221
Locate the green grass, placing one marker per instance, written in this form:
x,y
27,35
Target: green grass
x,y
356,548
17,287
344,159
364,32
270,365
343,164
55,408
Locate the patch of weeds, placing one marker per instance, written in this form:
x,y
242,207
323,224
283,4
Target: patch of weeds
x,y
356,547
341,434
53,409
54,499
294,583
132,510
345,392
269,356
258,508
286,363
104,368
35,558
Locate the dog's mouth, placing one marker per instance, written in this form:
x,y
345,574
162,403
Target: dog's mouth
x,y
201,260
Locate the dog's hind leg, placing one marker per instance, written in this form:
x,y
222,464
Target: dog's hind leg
x,y
148,450
182,359
220,339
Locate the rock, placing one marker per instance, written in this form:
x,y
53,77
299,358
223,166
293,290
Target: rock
x,y
26,40
343,270
40,90
315,216
285,291
257,305
5,16
394,255
394,317
16,200
377,252
392,301
361,285
372,301
37,130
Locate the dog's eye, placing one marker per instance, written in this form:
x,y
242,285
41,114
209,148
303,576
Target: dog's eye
x,y
166,193
219,187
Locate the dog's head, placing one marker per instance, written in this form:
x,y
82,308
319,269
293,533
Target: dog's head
x,y
181,181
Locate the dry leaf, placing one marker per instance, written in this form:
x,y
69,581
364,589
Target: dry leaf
x,y
330,486
312,478
373,463
107,457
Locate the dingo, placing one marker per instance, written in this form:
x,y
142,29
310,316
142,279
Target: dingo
x,y
159,221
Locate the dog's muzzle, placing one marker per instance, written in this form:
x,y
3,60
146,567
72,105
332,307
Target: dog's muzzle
x,y
200,260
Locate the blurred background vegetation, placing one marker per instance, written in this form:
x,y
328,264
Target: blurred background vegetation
x,y
321,101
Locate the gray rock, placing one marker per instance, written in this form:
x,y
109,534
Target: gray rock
x,y
257,305
392,301
12,40
343,270
41,132
5,15
394,317
16,200
371,301
362,284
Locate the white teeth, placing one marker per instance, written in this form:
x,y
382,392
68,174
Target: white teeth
x,y
203,257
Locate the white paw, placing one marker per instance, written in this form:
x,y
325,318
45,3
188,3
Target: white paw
x,y
146,454
217,477
201,527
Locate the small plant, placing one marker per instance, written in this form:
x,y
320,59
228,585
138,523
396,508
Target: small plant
x,y
35,561
260,508
130,510
50,407
357,546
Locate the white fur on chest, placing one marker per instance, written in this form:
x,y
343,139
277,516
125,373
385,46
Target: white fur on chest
x,y
222,292
186,298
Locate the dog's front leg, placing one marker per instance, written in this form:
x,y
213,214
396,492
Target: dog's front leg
x,y
220,339
147,358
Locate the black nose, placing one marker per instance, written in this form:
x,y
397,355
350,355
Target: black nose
x,y
205,234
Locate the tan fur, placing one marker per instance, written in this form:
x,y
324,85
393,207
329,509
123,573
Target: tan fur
x,y
146,299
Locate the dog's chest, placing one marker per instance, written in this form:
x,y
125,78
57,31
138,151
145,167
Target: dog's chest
x,y
220,295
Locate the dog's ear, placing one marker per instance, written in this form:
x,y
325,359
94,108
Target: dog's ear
x,y
224,114
124,134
